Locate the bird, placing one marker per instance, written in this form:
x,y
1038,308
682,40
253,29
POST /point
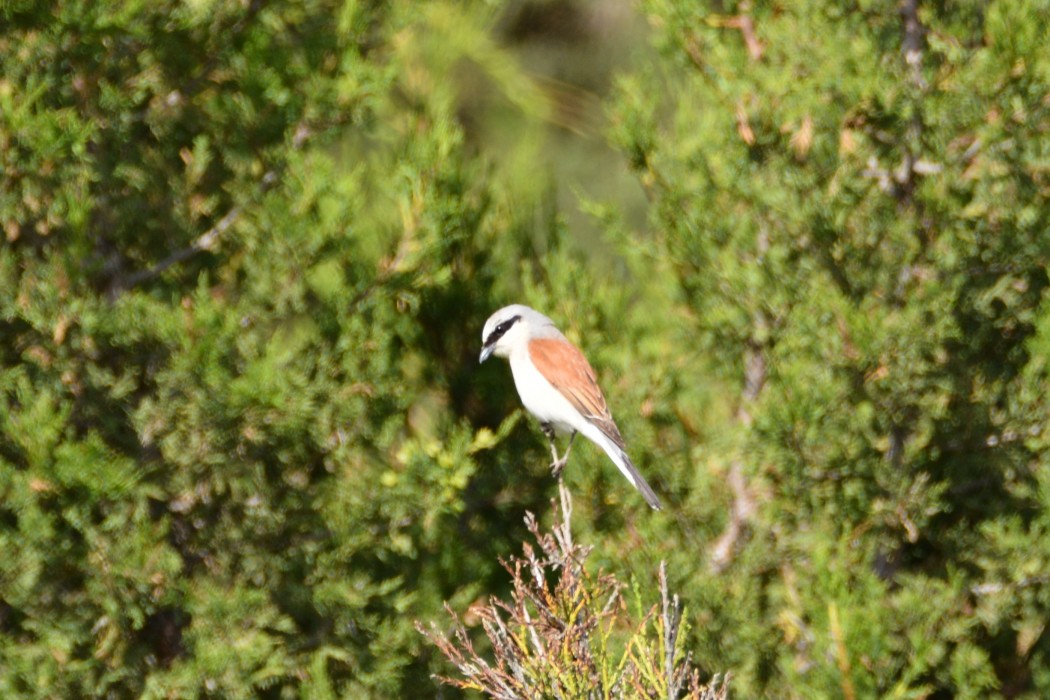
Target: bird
x,y
558,387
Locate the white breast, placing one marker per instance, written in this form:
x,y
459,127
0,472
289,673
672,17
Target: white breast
x,y
540,398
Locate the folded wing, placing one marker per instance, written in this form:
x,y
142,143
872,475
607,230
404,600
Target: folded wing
x,y
568,371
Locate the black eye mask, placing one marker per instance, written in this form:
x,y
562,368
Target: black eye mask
x,y
500,330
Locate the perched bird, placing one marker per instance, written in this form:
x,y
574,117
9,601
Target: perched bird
x,y
557,385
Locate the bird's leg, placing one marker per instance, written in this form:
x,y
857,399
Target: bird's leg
x,y
548,430
559,464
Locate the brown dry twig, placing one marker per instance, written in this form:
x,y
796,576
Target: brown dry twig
x,y
563,633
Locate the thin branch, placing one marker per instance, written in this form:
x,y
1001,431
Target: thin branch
x,y
746,24
914,40
743,507
672,621
993,588
205,242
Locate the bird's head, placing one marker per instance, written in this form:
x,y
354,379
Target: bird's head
x,y
505,329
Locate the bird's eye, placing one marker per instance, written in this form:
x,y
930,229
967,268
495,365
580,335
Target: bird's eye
x,y
500,329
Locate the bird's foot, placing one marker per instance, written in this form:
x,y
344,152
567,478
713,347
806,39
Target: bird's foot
x,y
559,462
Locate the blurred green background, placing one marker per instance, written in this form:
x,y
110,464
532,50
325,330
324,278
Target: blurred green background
x,y
249,248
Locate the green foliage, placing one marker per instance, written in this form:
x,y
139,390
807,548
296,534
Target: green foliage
x,y
248,248
244,245
853,203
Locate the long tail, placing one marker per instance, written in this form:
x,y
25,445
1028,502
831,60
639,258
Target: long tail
x,y
631,472
626,467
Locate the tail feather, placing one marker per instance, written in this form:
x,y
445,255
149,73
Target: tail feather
x,y
619,457
631,472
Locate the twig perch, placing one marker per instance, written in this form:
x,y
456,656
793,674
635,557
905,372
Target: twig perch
x,y
551,638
